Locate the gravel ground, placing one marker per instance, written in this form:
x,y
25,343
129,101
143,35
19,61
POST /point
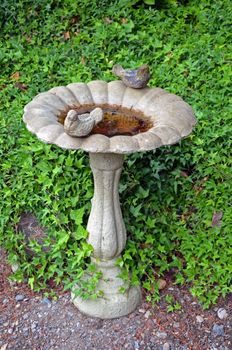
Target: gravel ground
x,y
31,322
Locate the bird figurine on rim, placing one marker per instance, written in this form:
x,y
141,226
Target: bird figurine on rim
x,y
80,125
134,78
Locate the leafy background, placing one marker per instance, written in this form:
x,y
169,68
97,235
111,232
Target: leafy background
x,y
176,201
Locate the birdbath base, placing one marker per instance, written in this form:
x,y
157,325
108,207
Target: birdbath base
x,y
113,303
107,235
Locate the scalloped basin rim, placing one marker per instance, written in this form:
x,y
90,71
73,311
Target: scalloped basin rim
x,y
172,118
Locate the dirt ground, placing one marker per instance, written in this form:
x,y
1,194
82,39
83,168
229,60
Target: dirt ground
x,y
31,322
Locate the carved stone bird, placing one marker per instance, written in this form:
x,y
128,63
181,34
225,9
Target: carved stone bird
x,y
79,125
134,78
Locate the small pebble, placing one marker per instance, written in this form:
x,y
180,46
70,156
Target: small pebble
x,y
46,301
25,331
176,324
5,301
142,311
34,325
19,297
147,314
14,267
3,347
161,335
199,319
218,330
136,344
166,346
222,313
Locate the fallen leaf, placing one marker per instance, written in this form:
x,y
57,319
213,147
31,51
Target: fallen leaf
x,y
184,174
15,76
83,60
28,39
107,20
2,87
66,35
124,20
74,19
216,220
21,86
77,32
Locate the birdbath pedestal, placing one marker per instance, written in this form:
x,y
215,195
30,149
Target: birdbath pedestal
x,y
107,235
170,119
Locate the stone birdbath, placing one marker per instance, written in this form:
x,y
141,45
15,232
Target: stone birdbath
x,y
146,119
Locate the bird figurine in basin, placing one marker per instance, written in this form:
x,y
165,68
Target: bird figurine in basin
x,y
134,78
80,125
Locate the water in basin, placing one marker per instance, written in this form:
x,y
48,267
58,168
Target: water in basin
x,y
120,121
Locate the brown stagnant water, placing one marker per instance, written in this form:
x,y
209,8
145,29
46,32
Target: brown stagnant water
x,y
116,120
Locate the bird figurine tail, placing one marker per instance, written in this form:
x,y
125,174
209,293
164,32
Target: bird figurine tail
x,y
118,70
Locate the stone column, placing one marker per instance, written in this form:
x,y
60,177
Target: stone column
x,y
107,235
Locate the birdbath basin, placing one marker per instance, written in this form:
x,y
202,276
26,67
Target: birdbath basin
x,y
135,120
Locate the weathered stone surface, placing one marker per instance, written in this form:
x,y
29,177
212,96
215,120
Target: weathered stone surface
x,y
150,141
68,142
149,98
81,92
116,90
168,135
134,78
79,125
124,144
50,132
38,124
132,96
38,113
33,105
171,116
47,98
107,235
113,304
96,143
97,115
99,91
65,95
172,119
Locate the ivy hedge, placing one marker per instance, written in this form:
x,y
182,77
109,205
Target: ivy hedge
x,y
176,201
